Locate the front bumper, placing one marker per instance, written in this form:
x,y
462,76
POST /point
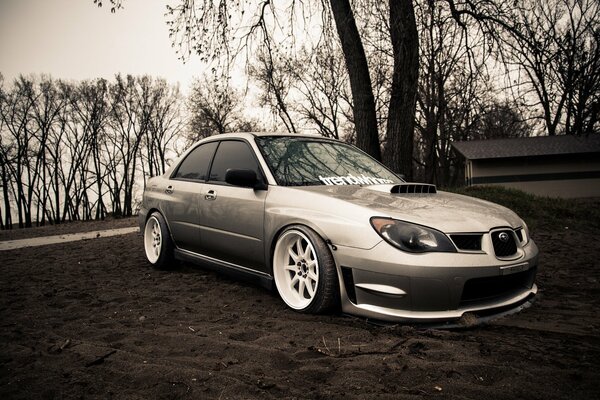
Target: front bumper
x,y
387,284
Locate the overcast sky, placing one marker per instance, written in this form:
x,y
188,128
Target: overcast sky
x,y
74,39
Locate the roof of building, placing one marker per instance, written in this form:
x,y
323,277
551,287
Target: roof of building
x,y
528,147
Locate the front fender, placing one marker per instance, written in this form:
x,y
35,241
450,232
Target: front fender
x,y
342,223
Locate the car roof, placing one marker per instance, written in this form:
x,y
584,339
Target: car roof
x,y
250,135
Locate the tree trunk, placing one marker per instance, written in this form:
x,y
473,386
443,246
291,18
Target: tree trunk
x,y
365,117
57,218
7,209
398,153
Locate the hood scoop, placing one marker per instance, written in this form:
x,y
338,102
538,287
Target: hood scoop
x,y
410,188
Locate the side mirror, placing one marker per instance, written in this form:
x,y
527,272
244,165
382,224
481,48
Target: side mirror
x,y
244,178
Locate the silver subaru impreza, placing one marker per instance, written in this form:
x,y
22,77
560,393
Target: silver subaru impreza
x,y
329,226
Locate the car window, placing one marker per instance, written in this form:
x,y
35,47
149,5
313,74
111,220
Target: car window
x,y
235,155
195,165
305,161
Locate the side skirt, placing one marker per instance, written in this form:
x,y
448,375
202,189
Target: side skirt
x,y
238,271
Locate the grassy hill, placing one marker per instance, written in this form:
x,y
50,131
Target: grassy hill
x,y
542,212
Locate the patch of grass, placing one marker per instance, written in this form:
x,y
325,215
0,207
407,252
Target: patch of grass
x,y
539,211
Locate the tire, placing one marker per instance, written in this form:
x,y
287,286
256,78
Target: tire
x,y
304,271
158,245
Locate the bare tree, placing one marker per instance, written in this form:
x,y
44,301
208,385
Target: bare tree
x,y
74,165
214,107
401,114
220,30
90,104
19,145
549,47
275,77
5,150
554,52
65,147
551,51
48,106
130,111
166,124
450,67
322,82
365,116
500,120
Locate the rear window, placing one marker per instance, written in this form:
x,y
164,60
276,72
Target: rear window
x,y
195,165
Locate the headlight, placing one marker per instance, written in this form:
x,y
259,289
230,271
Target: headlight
x,y
411,237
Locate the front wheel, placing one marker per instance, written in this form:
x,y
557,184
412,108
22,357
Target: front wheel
x,y
157,242
304,271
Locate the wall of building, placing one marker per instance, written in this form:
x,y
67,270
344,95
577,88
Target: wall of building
x,y
556,176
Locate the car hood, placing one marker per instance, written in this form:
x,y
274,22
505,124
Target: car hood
x,y
448,212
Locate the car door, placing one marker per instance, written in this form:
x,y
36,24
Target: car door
x,y
233,217
183,196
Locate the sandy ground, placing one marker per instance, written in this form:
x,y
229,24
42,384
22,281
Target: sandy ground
x,y
91,319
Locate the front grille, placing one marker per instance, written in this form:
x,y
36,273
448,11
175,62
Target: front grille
x,y
506,247
467,242
495,287
349,283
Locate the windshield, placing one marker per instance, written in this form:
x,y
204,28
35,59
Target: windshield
x,y
301,161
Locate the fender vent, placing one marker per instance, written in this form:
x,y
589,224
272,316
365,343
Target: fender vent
x,y
349,283
414,188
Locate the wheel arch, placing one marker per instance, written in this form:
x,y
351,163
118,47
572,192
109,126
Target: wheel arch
x,y
151,211
326,295
306,224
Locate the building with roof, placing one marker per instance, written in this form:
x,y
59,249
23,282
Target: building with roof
x,y
555,166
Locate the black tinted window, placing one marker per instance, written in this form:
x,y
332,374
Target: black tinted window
x,y
195,166
234,155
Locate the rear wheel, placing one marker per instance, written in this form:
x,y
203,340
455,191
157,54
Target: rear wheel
x,y
157,242
304,271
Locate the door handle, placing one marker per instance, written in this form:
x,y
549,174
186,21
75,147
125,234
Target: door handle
x,y
210,195
169,190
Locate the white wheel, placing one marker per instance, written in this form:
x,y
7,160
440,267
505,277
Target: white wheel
x,y
304,271
153,239
157,242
